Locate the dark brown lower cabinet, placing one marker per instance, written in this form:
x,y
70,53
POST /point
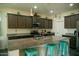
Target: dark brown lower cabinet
x,y
73,42
21,52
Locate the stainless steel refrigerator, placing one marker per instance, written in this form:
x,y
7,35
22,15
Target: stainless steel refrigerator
x,y
77,36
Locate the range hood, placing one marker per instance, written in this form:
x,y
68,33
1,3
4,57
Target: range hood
x,y
36,25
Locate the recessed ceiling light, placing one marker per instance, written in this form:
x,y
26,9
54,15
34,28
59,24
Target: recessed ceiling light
x,y
51,11
71,4
35,7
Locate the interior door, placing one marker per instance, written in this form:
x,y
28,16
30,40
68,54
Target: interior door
x,y
58,28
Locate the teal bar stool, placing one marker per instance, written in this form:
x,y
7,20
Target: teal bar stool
x,y
51,48
63,48
31,52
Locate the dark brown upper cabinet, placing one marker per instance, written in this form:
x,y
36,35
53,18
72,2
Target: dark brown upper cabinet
x,y
28,21
67,22
21,21
70,21
42,25
73,21
36,22
50,24
24,21
12,21
46,24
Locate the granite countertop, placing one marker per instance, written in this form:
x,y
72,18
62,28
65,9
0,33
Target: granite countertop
x,y
68,35
18,36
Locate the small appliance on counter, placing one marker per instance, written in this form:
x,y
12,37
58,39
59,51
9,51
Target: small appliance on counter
x,y
36,34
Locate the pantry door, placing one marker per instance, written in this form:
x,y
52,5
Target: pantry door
x,y
58,27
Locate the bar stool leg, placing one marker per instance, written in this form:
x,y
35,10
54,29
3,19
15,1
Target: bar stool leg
x,y
64,49
52,51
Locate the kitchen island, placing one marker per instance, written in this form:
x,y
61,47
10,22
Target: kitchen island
x,y
29,42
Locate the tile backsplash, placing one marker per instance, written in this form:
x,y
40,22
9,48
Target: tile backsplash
x,y
71,30
16,31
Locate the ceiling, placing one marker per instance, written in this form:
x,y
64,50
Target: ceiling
x,y
43,8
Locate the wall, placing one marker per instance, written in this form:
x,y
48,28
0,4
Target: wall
x,y
3,26
58,23
0,25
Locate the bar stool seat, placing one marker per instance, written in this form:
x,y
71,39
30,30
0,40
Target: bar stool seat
x,y
51,48
31,52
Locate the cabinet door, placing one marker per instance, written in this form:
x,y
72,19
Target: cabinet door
x,y
24,21
72,42
21,22
46,24
67,21
77,18
42,24
73,21
50,24
28,21
12,21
